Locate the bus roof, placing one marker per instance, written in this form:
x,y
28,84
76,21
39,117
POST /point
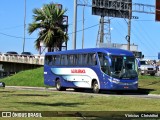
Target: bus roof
x,y
112,51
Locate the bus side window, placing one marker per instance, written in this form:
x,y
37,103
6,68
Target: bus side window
x,y
103,63
79,59
92,59
57,59
48,60
75,59
89,61
84,59
54,59
70,59
64,60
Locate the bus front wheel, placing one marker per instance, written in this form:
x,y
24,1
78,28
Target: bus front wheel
x,y
95,87
58,86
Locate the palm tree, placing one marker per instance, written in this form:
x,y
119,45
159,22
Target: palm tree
x,y
49,20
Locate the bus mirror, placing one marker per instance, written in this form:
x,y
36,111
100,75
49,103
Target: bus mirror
x,y
138,62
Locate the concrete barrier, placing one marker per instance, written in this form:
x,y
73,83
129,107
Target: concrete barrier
x,y
37,60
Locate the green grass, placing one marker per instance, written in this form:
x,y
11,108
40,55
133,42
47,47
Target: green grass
x,y
32,77
22,100
150,84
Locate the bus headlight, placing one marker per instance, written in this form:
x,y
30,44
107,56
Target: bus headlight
x,y
115,81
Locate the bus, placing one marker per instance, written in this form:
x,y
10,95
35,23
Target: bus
x,y
92,68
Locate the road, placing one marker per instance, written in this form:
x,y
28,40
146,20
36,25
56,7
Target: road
x,y
104,93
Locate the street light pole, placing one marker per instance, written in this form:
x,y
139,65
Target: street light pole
x,y
74,25
83,29
129,28
24,24
102,29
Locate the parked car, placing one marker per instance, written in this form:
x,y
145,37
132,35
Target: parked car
x,y
11,53
25,54
146,68
2,54
2,84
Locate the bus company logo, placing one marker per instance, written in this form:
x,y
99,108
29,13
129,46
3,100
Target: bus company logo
x,y
78,71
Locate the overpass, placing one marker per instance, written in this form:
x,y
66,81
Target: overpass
x,y
11,64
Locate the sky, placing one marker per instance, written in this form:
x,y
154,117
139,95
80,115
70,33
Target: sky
x,y
145,31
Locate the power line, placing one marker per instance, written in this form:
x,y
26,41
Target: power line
x,y
138,36
14,36
122,26
151,56
133,33
144,20
147,36
119,31
77,21
13,27
22,26
36,38
146,46
84,29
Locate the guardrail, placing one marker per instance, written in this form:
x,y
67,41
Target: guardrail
x,y
37,60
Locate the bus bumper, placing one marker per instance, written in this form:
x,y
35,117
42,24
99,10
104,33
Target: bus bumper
x,y
120,86
115,86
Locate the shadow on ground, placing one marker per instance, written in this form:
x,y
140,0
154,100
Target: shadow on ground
x,y
34,95
51,104
140,91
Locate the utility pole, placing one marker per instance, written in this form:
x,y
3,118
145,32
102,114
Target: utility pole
x,y
109,31
83,29
24,24
74,25
102,29
129,29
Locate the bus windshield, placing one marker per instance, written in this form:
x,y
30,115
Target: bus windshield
x,y
123,67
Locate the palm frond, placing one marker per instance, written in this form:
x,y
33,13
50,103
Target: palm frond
x,y
33,26
49,19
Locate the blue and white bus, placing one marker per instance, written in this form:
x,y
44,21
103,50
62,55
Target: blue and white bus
x,y
94,68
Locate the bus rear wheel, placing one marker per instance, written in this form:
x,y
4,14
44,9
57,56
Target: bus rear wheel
x,y
95,87
58,86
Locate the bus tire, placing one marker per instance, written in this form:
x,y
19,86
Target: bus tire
x,y
95,87
58,86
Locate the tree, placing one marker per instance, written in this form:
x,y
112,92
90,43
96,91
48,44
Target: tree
x,y
49,21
